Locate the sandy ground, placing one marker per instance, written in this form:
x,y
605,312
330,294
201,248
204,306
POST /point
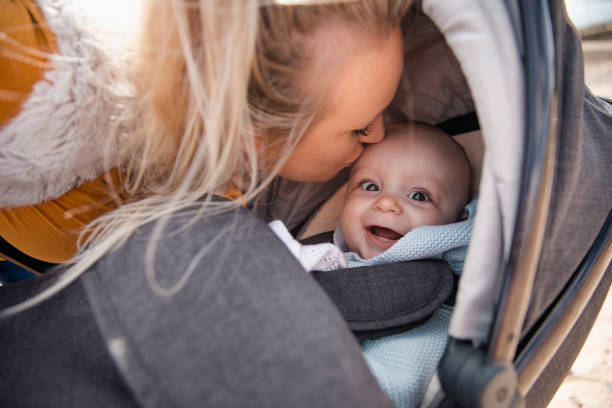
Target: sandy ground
x,y
598,66
589,383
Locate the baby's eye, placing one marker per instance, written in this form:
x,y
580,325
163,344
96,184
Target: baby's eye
x,y
369,186
419,196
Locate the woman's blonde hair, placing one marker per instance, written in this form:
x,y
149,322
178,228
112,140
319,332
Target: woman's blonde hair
x,y
218,85
222,74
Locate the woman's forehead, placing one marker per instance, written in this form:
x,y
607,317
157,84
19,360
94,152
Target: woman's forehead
x,y
357,78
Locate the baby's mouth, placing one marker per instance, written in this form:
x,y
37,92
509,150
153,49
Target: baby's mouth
x,y
382,237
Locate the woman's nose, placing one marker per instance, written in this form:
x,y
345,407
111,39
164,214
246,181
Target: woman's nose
x,y
388,204
377,134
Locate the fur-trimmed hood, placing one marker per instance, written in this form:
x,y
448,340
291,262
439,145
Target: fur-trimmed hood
x,y
75,122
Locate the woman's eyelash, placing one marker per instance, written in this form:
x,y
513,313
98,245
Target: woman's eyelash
x,y
364,131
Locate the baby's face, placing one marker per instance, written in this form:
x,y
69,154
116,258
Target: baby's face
x,y
416,176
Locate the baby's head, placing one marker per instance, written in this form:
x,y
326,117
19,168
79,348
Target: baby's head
x,y
417,175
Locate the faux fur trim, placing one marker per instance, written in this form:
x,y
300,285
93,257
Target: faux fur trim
x,y
73,125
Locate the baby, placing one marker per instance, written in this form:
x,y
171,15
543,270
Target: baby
x,y
416,176
407,198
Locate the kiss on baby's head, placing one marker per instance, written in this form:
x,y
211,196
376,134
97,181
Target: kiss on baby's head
x,y
418,175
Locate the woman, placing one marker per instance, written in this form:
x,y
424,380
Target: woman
x,y
184,298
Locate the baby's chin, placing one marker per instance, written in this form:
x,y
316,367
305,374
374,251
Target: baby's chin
x,y
368,252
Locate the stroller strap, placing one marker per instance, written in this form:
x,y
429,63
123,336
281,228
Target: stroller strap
x,y
381,300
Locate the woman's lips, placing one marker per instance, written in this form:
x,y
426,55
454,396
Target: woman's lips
x,y
382,237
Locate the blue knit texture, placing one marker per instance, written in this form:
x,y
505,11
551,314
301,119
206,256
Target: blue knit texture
x,y
405,363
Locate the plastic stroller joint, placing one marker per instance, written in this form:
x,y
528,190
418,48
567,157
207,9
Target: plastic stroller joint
x,y
472,380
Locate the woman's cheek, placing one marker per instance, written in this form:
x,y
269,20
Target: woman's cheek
x,y
355,153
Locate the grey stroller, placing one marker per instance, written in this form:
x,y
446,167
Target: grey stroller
x,y
507,75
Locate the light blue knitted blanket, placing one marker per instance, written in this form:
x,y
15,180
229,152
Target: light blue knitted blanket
x,y
405,363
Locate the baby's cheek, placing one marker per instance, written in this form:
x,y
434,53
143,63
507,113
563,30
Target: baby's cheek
x,y
347,229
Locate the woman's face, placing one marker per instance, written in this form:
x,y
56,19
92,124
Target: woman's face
x,y
361,72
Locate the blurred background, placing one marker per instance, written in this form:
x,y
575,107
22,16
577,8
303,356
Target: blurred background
x,y
589,383
593,19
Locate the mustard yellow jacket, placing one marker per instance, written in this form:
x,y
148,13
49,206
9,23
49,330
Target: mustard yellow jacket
x,y
46,231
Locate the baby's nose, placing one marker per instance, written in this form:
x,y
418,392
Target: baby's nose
x,y
388,204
